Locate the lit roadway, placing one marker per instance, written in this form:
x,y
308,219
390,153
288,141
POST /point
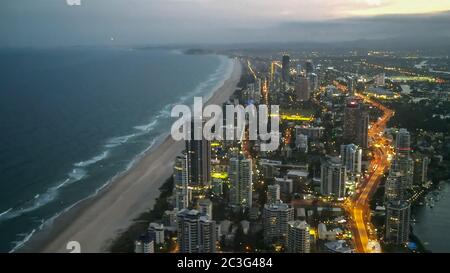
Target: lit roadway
x,y
358,206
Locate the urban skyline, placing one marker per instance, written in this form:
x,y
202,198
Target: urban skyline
x,y
225,127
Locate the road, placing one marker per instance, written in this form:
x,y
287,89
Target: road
x,y
358,206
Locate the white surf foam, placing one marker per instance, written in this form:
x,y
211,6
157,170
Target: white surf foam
x,y
93,160
43,199
21,243
117,141
5,212
147,127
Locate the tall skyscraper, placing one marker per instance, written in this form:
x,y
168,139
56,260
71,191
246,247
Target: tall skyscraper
x,y
180,179
303,89
199,158
356,123
298,237
397,222
405,166
205,208
240,176
351,86
309,67
395,187
313,81
421,163
196,233
351,156
285,68
208,235
273,194
333,176
403,162
275,222
403,143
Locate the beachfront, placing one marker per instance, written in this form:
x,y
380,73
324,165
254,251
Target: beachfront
x,y
95,222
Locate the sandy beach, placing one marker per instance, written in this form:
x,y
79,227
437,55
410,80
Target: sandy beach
x,y
95,222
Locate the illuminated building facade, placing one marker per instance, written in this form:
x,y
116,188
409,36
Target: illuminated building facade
x,y
240,176
298,237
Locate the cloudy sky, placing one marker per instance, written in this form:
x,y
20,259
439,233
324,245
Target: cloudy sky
x,y
54,22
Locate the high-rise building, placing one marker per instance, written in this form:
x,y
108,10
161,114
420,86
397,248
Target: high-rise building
x,y
403,143
405,166
403,162
156,231
309,67
273,194
217,186
180,179
240,176
351,156
421,169
303,89
333,176
145,244
395,187
285,68
199,158
275,222
196,233
356,123
351,86
169,219
301,142
205,208
298,237
313,81
397,222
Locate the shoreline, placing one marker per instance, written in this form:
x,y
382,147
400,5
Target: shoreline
x,y
96,221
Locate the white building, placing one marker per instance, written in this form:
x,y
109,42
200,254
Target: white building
x,y
351,156
170,219
240,175
397,222
273,193
298,237
157,232
333,177
395,187
145,244
403,143
275,221
180,178
196,233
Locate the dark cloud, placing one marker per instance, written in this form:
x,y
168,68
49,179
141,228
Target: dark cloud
x,y
131,22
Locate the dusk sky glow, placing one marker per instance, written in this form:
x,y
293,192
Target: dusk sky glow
x,y
53,22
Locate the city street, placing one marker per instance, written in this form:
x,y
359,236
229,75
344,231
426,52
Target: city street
x,y
365,236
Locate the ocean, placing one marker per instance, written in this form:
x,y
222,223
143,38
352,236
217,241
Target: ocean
x,y
72,119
